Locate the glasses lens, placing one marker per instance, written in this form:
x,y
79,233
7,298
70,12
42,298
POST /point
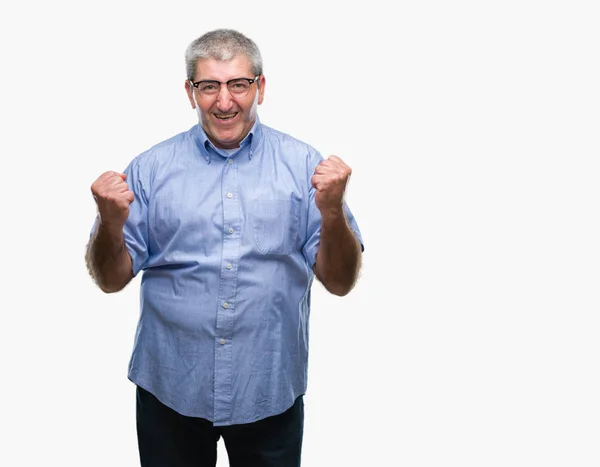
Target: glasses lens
x,y
209,88
239,87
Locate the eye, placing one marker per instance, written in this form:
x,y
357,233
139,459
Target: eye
x,y
239,86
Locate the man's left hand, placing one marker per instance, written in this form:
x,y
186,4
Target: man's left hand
x,y
330,180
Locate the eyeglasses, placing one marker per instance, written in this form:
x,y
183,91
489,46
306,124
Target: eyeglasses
x,y
210,89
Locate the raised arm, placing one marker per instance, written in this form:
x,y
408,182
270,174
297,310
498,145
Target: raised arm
x,y
338,258
107,258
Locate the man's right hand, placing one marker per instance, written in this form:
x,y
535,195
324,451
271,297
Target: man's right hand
x,y
113,197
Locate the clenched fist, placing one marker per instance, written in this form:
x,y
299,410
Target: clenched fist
x,y
330,180
113,198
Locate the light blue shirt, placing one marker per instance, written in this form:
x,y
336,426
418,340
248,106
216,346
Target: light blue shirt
x,y
226,244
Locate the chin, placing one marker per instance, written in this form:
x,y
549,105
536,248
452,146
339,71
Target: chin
x,y
227,143
229,138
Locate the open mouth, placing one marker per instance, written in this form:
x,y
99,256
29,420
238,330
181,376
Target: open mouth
x,y
226,117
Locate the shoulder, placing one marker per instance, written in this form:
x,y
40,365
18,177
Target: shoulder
x,y
163,152
288,146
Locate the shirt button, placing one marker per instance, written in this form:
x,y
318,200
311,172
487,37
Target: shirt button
x,y
229,195
229,266
229,161
222,342
225,305
230,230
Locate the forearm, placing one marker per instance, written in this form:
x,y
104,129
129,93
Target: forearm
x,y
108,260
339,255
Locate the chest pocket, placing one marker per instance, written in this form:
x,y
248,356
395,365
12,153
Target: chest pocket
x,y
275,225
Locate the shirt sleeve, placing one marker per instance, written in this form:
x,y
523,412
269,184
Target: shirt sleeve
x,y
311,247
135,230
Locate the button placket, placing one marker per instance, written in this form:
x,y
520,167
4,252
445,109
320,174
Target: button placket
x,y
225,332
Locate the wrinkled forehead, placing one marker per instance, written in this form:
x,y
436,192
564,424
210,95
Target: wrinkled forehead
x,y
223,70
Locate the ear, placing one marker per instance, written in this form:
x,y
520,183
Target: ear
x,y
261,89
188,90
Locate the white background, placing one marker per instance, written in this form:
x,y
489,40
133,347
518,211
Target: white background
x,y
471,338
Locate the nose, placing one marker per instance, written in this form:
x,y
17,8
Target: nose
x,y
224,99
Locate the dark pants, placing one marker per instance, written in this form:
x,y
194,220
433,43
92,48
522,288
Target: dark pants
x,y
169,439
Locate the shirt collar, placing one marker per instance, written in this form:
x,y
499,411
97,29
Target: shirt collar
x,y
252,138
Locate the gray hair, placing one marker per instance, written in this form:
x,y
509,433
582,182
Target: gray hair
x,y
222,44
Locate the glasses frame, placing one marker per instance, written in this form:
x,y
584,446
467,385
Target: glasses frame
x,y
198,83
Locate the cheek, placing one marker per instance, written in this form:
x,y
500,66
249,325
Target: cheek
x,y
252,106
204,110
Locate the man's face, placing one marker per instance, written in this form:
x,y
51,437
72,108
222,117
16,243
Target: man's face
x,y
226,118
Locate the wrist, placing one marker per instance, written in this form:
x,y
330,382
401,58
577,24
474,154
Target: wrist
x,y
333,214
111,227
